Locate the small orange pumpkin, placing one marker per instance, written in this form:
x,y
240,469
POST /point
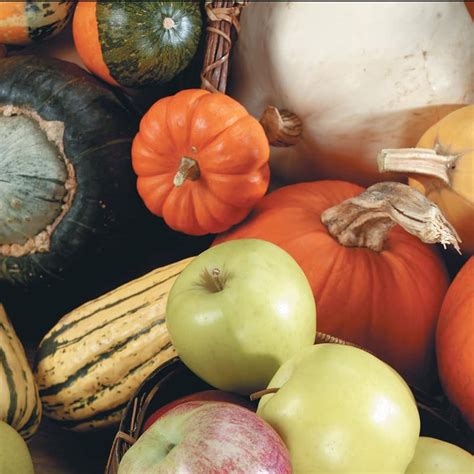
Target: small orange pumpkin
x,y
201,161
455,342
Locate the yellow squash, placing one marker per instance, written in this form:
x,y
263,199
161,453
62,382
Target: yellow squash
x,y
94,359
442,168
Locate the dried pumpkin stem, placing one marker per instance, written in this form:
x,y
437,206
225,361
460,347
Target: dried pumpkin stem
x,y
365,220
261,393
424,161
188,169
283,128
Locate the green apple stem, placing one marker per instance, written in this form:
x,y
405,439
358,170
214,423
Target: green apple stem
x,y
257,395
213,280
365,220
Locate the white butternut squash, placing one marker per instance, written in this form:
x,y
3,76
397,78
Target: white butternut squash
x,y
359,76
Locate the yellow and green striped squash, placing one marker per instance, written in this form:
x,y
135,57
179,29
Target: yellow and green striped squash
x,y
93,360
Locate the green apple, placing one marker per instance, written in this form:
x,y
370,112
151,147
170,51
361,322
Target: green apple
x,y
433,456
238,311
340,409
15,457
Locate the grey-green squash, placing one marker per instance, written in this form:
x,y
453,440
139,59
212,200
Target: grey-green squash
x,y
67,189
20,406
93,360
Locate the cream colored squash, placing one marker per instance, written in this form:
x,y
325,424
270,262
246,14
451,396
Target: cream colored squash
x,y
361,76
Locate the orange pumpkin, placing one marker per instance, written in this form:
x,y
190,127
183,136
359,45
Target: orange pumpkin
x,y
201,161
385,298
455,342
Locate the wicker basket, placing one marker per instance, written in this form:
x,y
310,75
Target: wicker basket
x,y
173,380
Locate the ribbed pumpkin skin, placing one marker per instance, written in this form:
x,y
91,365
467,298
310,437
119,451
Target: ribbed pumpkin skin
x,y
20,405
387,302
229,147
135,44
32,21
455,342
92,361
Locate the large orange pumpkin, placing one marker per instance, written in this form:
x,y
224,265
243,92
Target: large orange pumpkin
x,y
385,298
455,342
201,161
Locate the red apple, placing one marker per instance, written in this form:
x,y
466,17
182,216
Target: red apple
x,y
206,395
207,437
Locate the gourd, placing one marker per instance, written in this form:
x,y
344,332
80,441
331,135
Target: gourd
x,y
136,44
455,342
349,79
67,186
201,161
92,361
378,287
20,405
29,22
442,167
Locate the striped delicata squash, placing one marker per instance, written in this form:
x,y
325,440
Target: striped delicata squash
x,y
20,405
93,360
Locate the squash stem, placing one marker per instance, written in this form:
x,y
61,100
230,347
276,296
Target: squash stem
x,y
283,128
168,23
423,161
188,169
365,220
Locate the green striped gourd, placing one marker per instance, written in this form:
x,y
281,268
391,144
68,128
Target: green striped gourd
x,y
20,405
93,360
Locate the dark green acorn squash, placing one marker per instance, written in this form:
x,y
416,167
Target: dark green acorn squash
x,y
66,184
135,44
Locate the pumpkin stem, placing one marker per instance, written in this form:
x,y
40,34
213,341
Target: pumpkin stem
x,y
188,169
424,161
261,393
283,128
365,220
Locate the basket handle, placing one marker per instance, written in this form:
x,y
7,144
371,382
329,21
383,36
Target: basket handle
x,y
222,26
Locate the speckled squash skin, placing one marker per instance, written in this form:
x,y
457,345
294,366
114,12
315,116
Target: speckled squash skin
x,y
135,44
29,22
94,359
91,156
